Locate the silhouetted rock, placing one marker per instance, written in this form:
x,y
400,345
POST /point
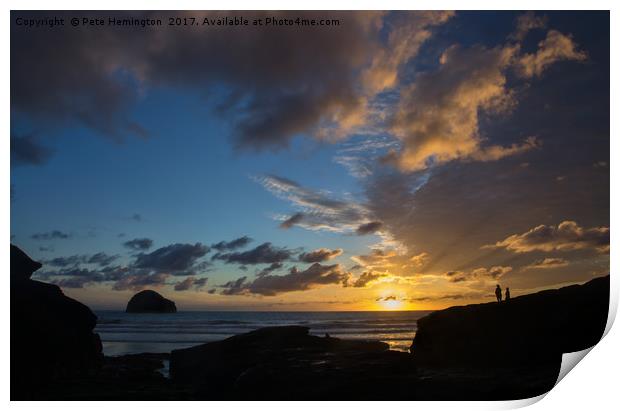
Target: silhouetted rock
x,y
22,266
51,334
529,329
149,301
287,363
127,377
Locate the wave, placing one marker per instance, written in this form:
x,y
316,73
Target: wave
x,y
124,333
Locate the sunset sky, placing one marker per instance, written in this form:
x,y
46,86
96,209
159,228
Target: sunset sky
x,y
399,160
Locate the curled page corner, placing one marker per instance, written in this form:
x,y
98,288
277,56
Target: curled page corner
x,y
569,360
526,402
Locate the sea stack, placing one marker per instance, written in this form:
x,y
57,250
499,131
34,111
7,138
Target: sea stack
x,y
149,301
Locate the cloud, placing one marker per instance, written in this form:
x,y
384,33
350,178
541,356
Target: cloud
x,y
51,235
359,154
357,166
366,278
555,47
320,211
136,217
369,228
268,99
292,220
139,244
71,272
296,280
420,260
451,211
494,152
527,22
137,282
453,296
175,259
116,273
265,253
456,276
319,255
75,277
152,269
268,270
568,235
65,261
102,259
75,282
376,258
437,118
191,282
387,298
232,245
548,263
493,273
27,151
410,31
234,287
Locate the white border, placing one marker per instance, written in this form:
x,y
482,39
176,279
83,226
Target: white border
x,y
593,384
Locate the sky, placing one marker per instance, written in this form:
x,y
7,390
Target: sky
x,y
395,160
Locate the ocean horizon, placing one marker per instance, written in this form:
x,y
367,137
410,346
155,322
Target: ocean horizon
x,y
129,333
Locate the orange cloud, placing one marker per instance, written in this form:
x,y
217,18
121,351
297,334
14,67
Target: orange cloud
x,y
494,273
555,47
548,263
568,235
437,117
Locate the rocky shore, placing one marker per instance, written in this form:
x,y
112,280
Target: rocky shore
x,y
476,352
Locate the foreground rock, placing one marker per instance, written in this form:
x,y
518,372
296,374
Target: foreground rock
x,y
297,367
128,377
530,329
149,301
287,363
51,334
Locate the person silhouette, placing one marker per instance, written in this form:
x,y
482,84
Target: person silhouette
x,y
507,294
498,293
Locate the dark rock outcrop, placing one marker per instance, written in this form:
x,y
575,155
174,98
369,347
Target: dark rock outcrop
x,y
149,301
530,329
278,363
22,266
134,377
51,334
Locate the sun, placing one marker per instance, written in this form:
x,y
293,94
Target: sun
x,y
391,305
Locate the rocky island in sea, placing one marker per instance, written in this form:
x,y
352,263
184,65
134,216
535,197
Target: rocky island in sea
x,y
149,301
55,354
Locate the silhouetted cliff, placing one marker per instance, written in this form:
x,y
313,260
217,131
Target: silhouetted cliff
x,y
51,334
529,329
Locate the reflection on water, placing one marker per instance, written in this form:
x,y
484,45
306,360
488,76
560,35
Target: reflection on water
x,y
124,333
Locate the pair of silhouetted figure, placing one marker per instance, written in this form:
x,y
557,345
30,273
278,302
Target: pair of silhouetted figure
x,y
498,294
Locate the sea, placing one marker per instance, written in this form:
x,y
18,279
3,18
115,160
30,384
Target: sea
x,y
124,333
